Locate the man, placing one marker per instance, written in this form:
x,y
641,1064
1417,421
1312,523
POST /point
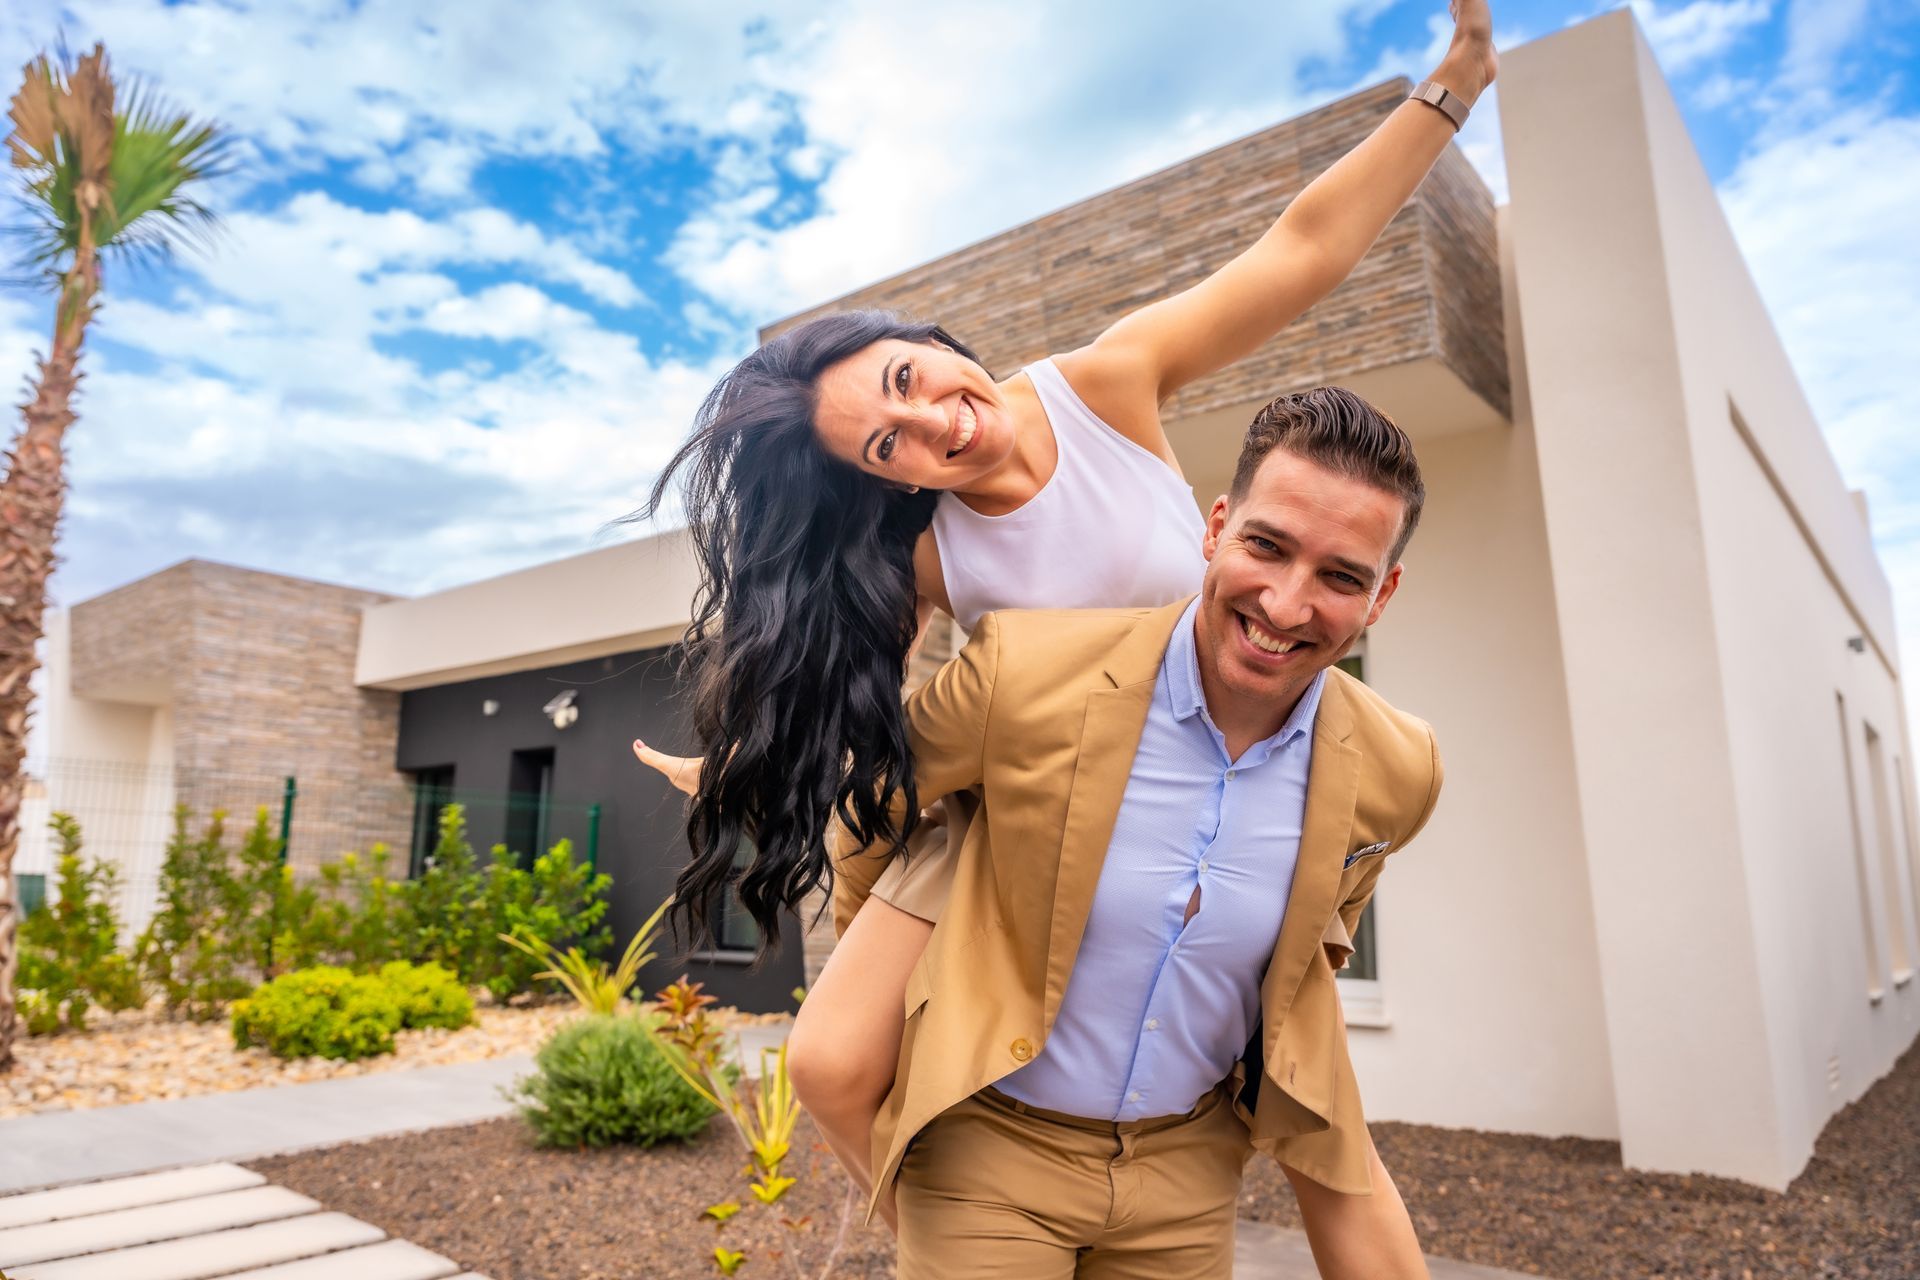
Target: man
x,y
1182,814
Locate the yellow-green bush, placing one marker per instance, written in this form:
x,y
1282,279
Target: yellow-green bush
x,y
330,1012
428,995
323,1012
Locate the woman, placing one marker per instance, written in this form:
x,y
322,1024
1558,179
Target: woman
x,y
856,473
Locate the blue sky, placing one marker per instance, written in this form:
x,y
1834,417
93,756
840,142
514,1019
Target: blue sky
x,y
482,259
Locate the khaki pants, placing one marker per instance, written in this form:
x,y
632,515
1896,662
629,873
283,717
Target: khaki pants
x,y
995,1188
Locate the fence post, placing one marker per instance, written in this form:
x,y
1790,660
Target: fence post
x,y
286,817
593,839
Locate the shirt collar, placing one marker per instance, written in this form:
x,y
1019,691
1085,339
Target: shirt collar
x,y
1186,697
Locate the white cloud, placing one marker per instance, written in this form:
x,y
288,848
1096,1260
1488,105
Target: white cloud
x,y
1825,219
1818,32
1687,34
987,115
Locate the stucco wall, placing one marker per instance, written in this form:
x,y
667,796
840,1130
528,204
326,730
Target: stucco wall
x,y
1701,608
1489,976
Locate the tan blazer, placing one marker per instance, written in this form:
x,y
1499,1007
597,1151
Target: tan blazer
x,y
1040,717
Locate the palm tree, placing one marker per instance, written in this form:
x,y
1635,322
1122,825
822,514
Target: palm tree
x,y
96,180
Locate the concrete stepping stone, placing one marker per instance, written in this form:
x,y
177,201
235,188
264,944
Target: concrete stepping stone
x,y
220,1254
124,1193
392,1260
71,1237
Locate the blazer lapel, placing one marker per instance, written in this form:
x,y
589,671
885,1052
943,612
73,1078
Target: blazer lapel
x,y
1333,786
1109,738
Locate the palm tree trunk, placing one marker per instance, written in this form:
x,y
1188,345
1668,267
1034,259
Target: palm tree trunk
x,y
30,501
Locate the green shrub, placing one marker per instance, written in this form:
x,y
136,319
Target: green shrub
x,y
443,920
69,959
364,909
559,901
601,1080
428,995
184,950
325,1012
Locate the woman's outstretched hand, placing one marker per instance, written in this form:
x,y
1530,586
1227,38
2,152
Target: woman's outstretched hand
x,y
1471,59
682,771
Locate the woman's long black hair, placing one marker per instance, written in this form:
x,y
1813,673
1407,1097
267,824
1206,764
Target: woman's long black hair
x,y
800,633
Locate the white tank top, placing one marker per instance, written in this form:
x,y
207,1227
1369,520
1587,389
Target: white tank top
x,y
1113,527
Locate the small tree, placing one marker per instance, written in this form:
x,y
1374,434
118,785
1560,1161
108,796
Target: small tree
x,y
70,957
184,951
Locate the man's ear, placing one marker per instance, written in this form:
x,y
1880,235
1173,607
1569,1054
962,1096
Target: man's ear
x,y
1216,525
1390,585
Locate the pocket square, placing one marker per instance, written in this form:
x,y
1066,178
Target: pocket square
x,y
1367,852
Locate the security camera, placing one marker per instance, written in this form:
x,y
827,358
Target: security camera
x,y
561,710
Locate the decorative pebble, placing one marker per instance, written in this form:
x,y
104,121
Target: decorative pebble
x,y
140,1056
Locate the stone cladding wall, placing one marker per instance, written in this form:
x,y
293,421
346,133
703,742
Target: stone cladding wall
x,y
258,670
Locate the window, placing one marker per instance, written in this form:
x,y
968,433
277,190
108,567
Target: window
x,y
1867,937
1903,789
1364,964
432,792
733,928
1891,899
1360,981
529,803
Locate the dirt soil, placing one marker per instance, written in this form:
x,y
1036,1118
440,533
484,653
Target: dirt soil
x,y
486,1197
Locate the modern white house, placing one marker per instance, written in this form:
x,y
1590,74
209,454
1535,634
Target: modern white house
x,y
1669,897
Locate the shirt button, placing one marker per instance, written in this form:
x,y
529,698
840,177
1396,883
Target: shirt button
x,y
1203,864
1153,1024
1021,1050
1134,1096
1231,773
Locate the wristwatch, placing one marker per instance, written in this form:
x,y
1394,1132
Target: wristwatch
x,y
1437,95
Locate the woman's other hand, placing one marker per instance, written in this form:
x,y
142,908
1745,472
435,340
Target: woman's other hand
x,y
1471,60
682,771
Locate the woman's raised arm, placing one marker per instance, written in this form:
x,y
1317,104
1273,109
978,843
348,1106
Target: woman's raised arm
x,y
1313,246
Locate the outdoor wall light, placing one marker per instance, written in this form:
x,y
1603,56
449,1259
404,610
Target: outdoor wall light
x,y
1857,643
490,707
562,710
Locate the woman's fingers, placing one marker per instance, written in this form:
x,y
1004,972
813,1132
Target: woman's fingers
x,y
682,771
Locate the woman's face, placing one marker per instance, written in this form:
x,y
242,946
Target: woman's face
x,y
914,413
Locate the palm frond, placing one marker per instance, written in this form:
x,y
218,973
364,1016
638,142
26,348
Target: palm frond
x,y
138,186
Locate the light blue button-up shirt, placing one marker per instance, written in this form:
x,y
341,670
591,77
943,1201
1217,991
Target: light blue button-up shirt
x,y
1156,1014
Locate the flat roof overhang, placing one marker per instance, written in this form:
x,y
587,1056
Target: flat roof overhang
x,y
635,595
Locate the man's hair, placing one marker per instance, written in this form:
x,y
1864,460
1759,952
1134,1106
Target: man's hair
x,y
1338,430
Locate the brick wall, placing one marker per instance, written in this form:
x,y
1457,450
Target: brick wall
x,y
258,670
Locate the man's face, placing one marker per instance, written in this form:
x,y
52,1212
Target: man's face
x,y
1297,570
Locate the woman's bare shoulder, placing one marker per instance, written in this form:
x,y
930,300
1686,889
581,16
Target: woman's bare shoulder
x,y
1120,395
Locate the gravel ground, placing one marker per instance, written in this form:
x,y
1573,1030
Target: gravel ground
x,y
141,1056
485,1196
1564,1207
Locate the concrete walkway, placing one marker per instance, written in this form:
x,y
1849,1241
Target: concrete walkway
x,y
56,1149
1263,1252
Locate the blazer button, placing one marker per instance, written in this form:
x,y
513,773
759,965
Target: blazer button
x,y
1021,1050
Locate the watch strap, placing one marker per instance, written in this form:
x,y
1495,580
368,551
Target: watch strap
x,y
1443,99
